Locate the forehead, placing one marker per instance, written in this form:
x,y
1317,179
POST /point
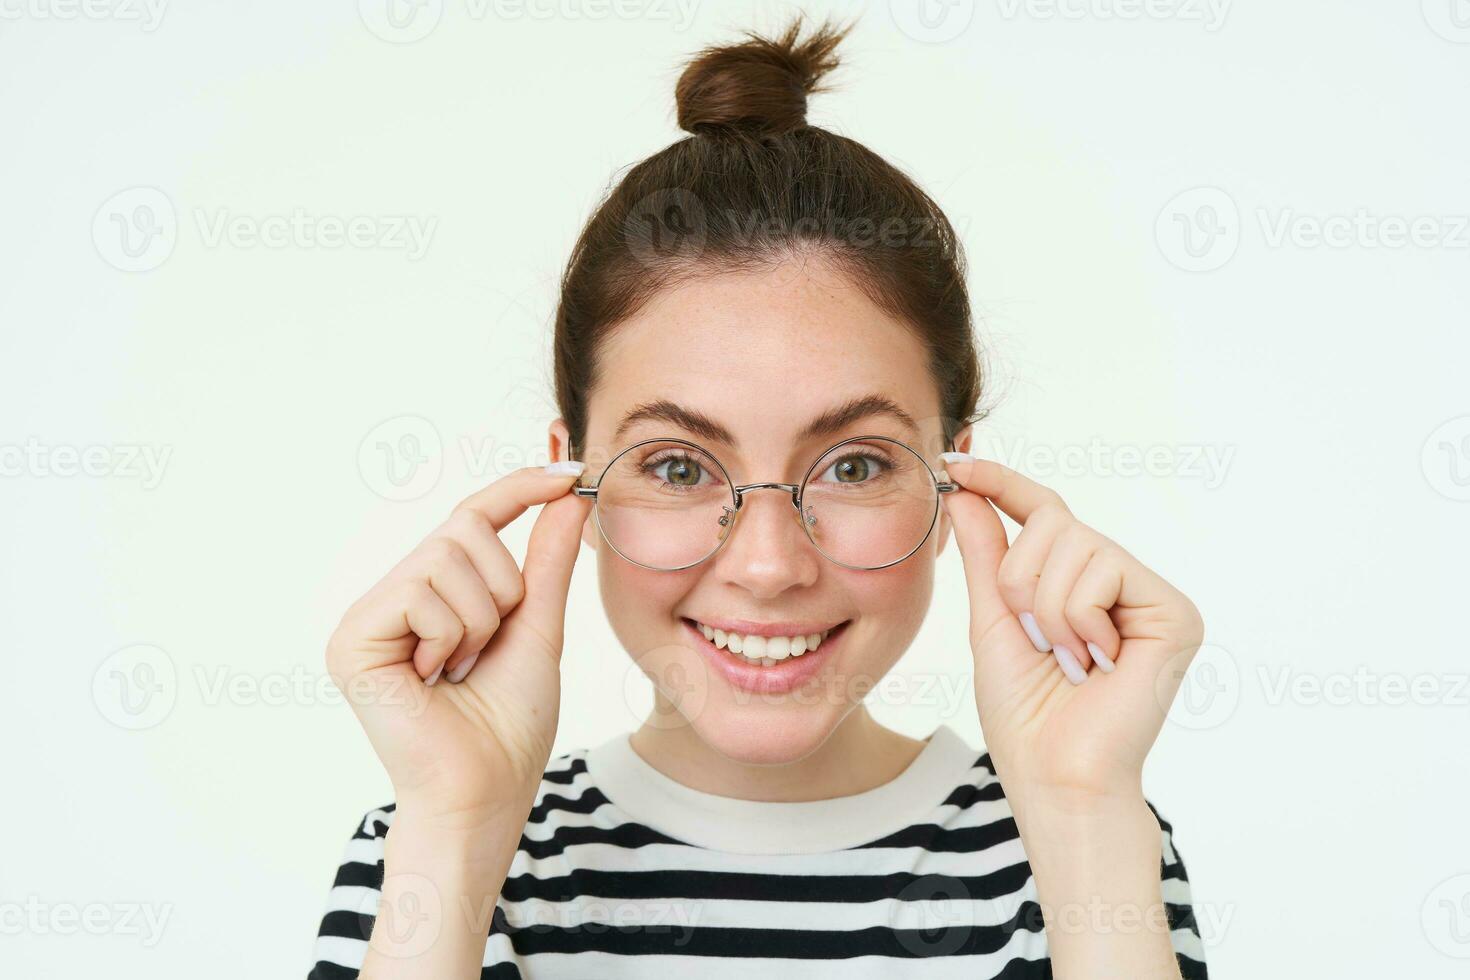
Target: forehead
x,y
764,353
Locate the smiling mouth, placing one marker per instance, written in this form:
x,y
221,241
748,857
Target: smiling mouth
x,y
761,650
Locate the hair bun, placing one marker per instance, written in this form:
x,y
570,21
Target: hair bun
x,y
759,86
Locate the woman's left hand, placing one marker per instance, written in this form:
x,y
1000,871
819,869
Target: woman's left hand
x,y
1079,648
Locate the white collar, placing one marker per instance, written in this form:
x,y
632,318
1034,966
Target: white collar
x,y
737,826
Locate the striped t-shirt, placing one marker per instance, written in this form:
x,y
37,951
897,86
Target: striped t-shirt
x,y
624,872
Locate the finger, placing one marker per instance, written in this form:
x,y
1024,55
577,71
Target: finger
x,y
509,497
981,537
452,576
1069,556
1097,589
1021,569
497,567
389,623
428,616
551,552
1017,496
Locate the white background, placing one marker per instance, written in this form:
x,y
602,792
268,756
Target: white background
x,y
1317,777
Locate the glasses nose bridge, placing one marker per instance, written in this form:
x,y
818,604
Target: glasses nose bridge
x,y
791,488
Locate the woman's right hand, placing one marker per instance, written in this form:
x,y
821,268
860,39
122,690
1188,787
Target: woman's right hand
x,y
452,662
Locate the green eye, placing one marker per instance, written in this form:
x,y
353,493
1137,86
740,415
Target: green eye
x,y
676,471
851,469
683,472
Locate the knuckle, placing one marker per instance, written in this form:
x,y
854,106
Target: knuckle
x,y
1081,614
1051,511
411,592
1108,562
469,518
1194,620
1077,533
478,633
440,552
1077,608
335,659
515,590
1015,584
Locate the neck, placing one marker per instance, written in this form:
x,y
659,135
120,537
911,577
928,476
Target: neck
x,y
859,755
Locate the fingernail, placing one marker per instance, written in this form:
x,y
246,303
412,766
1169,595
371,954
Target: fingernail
x,y
434,677
954,457
457,674
1069,665
1028,623
1103,663
564,467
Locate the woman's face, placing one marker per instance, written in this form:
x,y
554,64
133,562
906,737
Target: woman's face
x,y
761,355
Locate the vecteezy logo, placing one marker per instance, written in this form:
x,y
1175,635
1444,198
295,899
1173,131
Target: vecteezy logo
x,y
667,224
1199,230
1450,19
136,687
1445,917
933,915
135,230
408,914
685,688
401,459
932,21
1199,690
401,21
1446,459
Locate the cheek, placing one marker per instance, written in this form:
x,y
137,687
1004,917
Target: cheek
x,y
895,590
640,602
894,601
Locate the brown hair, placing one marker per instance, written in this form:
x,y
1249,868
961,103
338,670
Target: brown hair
x,y
752,185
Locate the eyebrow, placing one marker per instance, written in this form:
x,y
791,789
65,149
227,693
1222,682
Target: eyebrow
x,y
829,422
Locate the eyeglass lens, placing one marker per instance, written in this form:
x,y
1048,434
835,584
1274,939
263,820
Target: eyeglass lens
x,y
668,504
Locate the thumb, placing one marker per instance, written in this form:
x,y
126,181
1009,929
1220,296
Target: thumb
x,y
981,537
551,552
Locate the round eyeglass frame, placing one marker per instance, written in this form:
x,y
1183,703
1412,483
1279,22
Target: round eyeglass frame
x,y
797,490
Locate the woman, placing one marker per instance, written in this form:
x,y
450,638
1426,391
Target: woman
x,y
763,302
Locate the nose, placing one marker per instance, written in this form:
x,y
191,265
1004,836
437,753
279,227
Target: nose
x,y
768,552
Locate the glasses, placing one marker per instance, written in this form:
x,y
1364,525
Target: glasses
x,y
668,504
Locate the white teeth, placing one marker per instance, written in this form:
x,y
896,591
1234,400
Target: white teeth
x,y
764,650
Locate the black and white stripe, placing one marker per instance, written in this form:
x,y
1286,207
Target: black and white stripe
x,y
593,893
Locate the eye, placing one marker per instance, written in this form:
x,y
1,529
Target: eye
x,y
858,468
679,471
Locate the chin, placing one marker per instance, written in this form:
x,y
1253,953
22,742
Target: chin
x,y
766,734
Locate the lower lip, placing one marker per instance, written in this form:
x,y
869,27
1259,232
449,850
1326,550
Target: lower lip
x,y
778,678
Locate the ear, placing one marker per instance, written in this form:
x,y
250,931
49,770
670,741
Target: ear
x,y
559,445
943,527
